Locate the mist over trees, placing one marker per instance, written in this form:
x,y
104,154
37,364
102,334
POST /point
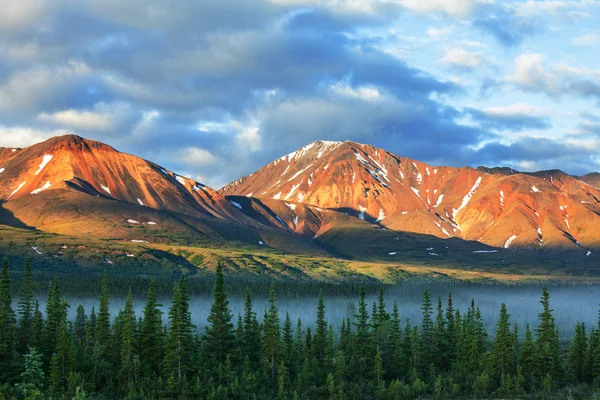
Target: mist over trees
x,y
375,354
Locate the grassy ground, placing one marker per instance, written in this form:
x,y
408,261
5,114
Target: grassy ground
x,y
78,255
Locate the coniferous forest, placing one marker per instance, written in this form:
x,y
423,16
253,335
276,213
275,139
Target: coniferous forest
x,y
375,355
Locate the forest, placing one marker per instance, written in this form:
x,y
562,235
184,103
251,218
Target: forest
x,y
376,354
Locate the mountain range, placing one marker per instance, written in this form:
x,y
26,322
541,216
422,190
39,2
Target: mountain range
x,y
328,199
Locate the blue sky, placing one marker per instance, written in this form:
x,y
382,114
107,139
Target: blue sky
x,y
216,89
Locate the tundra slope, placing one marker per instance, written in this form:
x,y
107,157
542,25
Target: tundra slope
x,y
499,207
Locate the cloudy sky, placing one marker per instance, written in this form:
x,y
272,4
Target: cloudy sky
x,y
215,89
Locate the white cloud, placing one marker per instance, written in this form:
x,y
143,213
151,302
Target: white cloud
x,y
104,117
464,59
196,156
342,89
22,14
530,74
455,8
40,85
518,109
439,32
590,39
19,136
249,138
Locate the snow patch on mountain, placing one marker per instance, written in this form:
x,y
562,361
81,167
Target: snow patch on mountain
x,y
509,241
47,158
16,190
46,186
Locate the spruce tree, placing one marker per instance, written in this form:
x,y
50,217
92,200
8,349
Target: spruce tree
x,y
180,340
427,343
25,310
320,335
220,337
128,341
528,361
7,321
251,346
547,340
502,362
103,332
151,338
577,354
271,343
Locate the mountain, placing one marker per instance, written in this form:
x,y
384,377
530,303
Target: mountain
x,y
499,207
339,201
74,186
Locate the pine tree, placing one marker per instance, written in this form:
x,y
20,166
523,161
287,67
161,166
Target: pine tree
x,y
56,314
80,324
151,338
289,354
251,346
320,335
103,332
32,378
547,340
7,321
528,360
128,340
25,310
440,338
427,348
502,352
577,354
180,341
272,348
220,337
451,331
362,345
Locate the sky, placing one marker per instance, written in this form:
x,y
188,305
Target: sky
x,y
216,89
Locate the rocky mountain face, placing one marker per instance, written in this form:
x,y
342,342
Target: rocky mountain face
x,y
499,207
316,199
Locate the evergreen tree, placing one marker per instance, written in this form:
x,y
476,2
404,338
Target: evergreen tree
x,y
427,343
102,330
220,337
577,354
320,336
502,362
56,314
272,348
129,358
32,378
528,360
362,336
25,310
7,321
151,338
547,340
180,341
251,346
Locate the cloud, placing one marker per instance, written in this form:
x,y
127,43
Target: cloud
x,y
455,8
19,136
103,117
531,74
513,117
462,59
590,39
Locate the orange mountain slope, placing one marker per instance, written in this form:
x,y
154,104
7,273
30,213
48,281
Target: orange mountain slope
x,y
499,207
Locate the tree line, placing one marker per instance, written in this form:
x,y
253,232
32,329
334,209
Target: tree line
x,y
374,355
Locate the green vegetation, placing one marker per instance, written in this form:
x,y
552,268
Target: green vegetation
x,y
374,355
